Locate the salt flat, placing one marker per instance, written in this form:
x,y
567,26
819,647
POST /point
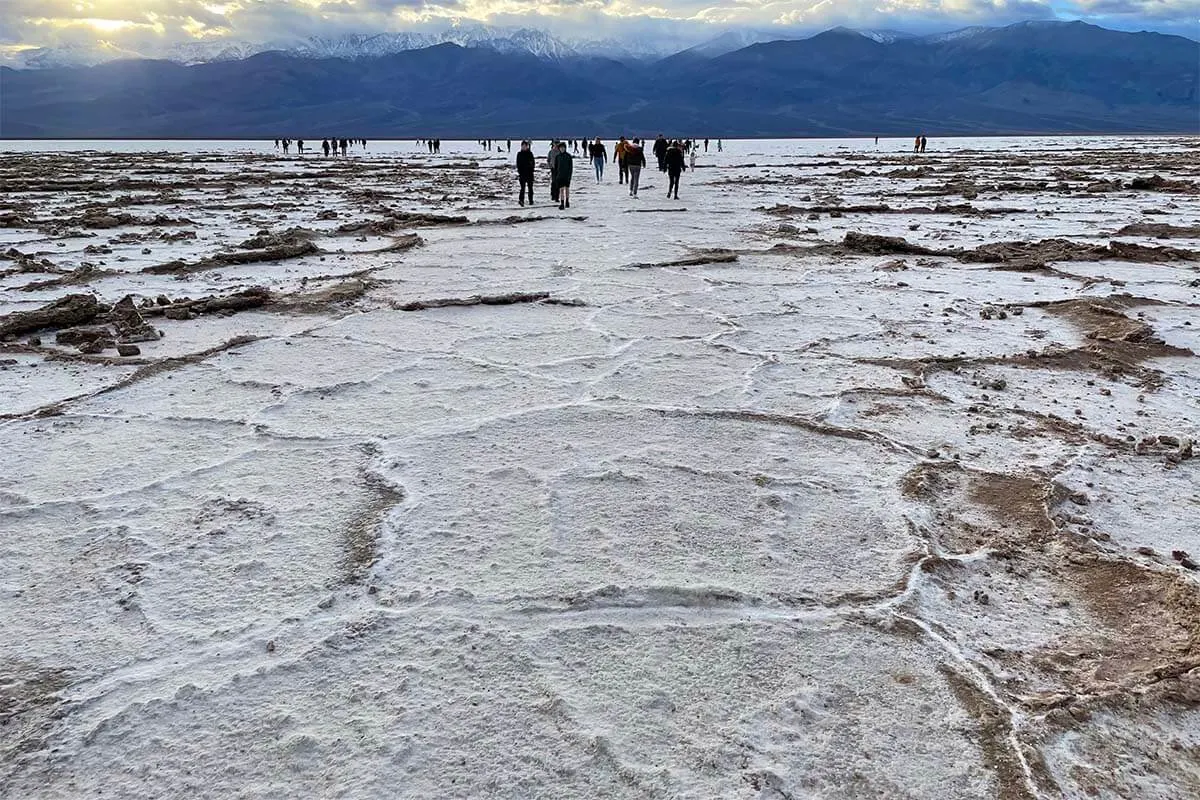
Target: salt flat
x,y
852,474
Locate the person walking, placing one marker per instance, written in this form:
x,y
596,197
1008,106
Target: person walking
x,y
720,147
325,147
635,159
552,163
619,152
599,154
924,142
525,163
660,152
673,160
564,166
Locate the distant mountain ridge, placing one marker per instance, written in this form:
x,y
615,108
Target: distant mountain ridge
x,y
537,43
1024,78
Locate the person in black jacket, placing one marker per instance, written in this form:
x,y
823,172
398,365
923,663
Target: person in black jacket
x,y
525,163
660,152
675,167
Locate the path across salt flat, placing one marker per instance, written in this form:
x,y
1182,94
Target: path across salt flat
x,y
421,494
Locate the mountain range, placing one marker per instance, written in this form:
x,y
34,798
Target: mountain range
x,y
1037,77
538,43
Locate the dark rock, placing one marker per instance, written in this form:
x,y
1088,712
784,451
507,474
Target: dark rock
x,y
74,337
62,313
129,350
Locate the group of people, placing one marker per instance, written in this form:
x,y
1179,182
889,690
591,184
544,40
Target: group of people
x,y
432,145
918,144
673,158
331,145
328,146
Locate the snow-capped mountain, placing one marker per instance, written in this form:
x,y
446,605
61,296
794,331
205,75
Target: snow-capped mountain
x,y
69,56
209,52
884,36
520,40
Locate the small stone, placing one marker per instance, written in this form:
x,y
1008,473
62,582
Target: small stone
x,y
270,645
129,350
176,312
1147,551
35,341
145,251
327,603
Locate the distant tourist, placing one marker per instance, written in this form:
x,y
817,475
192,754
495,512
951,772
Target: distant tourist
x,y
917,145
660,152
720,148
599,155
286,144
635,159
508,144
345,146
325,147
564,166
300,147
276,144
437,146
525,164
924,142
673,161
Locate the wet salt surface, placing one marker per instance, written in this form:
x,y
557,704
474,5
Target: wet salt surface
x,y
817,521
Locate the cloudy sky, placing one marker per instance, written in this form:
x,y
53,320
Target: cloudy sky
x,y
147,26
